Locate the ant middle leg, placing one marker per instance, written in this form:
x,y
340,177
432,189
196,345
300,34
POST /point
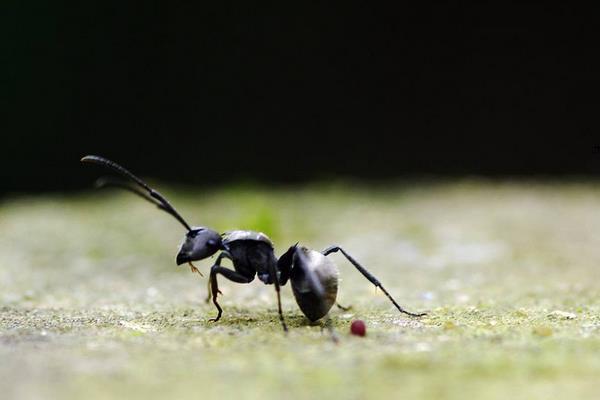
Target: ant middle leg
x,y
275,278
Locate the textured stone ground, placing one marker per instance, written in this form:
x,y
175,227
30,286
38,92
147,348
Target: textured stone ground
x,y
92,305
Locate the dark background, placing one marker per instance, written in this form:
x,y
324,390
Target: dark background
x,y
203,94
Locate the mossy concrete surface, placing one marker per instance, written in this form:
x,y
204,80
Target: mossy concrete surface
x,y
92,305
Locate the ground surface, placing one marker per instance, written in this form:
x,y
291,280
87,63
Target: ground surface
x,y
92,305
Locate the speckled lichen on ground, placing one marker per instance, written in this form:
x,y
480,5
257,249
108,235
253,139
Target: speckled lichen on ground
x,y
92,305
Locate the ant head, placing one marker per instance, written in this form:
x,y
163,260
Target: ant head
x,y
198,244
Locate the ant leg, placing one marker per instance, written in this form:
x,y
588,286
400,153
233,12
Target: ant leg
x,y
273,273
208,291
328,324
343,308
370,278
232,275
221,256
214,290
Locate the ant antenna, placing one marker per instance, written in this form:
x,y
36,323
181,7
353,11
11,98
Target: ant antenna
x,y
155,197
109,181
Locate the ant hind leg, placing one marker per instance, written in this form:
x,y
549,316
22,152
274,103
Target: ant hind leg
x,y
370,278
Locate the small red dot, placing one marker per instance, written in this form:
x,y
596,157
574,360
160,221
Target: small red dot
x,y
358,328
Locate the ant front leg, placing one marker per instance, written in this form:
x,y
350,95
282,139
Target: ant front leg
x,y
222,255
370,278
232,275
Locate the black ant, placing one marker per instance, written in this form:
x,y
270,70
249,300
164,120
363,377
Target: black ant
x,y
313,277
